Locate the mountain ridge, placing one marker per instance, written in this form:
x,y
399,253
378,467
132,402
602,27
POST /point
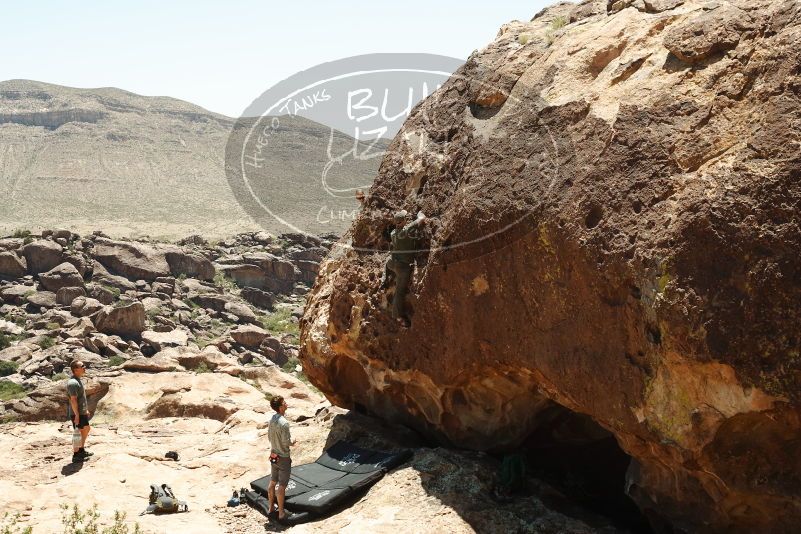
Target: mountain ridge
x,y
107,158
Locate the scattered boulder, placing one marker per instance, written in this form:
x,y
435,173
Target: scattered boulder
x,y
241,311
162,340
249,336
124,320
261,299
83,263
18,353
191,285
132,260
42,255
16,294
12,266
11,243
278,268
81,329
101,276
7,327
207,396
159,363
48,403
165,285
191,264
83,306
194,239
42,299
101,293
209,357
63,275
66,295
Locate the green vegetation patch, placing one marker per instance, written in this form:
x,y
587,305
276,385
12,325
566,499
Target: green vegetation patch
x,y
8,368
76,521
46,342
6,340
280,322
10,391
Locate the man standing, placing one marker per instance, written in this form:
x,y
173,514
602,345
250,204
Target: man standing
x,y
78,409
280,461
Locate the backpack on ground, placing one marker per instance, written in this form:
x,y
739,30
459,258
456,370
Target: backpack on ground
x,y
162,501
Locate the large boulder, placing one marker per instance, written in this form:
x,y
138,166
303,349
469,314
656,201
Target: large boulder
x,y
48,403
12,266
134,261
249,336
613,232
63,275
162,340
101,277
42,255
258,297
84,306
160,363
15,294
42,299
66,295
124,319
249,275
190,264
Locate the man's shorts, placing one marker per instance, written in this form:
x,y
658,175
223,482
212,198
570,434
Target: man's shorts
x,y
83,421
279,471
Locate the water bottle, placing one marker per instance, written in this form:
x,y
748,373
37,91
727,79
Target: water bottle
x,y
76,438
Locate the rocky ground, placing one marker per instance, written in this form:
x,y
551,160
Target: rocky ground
x,y
185,344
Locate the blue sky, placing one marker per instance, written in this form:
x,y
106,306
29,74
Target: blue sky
x,y
222,55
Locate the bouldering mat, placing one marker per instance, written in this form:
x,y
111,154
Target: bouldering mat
x,y
340,473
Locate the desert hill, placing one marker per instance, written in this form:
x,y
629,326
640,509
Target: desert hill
x,y
135,165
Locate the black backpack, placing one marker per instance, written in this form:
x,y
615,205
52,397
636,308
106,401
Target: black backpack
x,y
163,501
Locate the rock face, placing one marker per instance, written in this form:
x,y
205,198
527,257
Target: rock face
x,y
124,320
63,275
11,265
42,255
614,229
132,260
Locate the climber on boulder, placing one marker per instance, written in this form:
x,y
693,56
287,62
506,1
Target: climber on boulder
x,y
406,240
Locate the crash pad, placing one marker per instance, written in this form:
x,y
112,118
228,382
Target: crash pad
x,y
339,474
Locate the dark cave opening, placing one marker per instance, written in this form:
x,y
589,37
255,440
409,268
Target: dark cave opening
x,y
584,462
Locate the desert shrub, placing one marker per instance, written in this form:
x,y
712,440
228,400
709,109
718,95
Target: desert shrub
x,y
21,233
224,282
116,360
8,368
76,521
6,340
10,391
58,376
558,22
280,322
115,291
10,525
46,342
202,368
